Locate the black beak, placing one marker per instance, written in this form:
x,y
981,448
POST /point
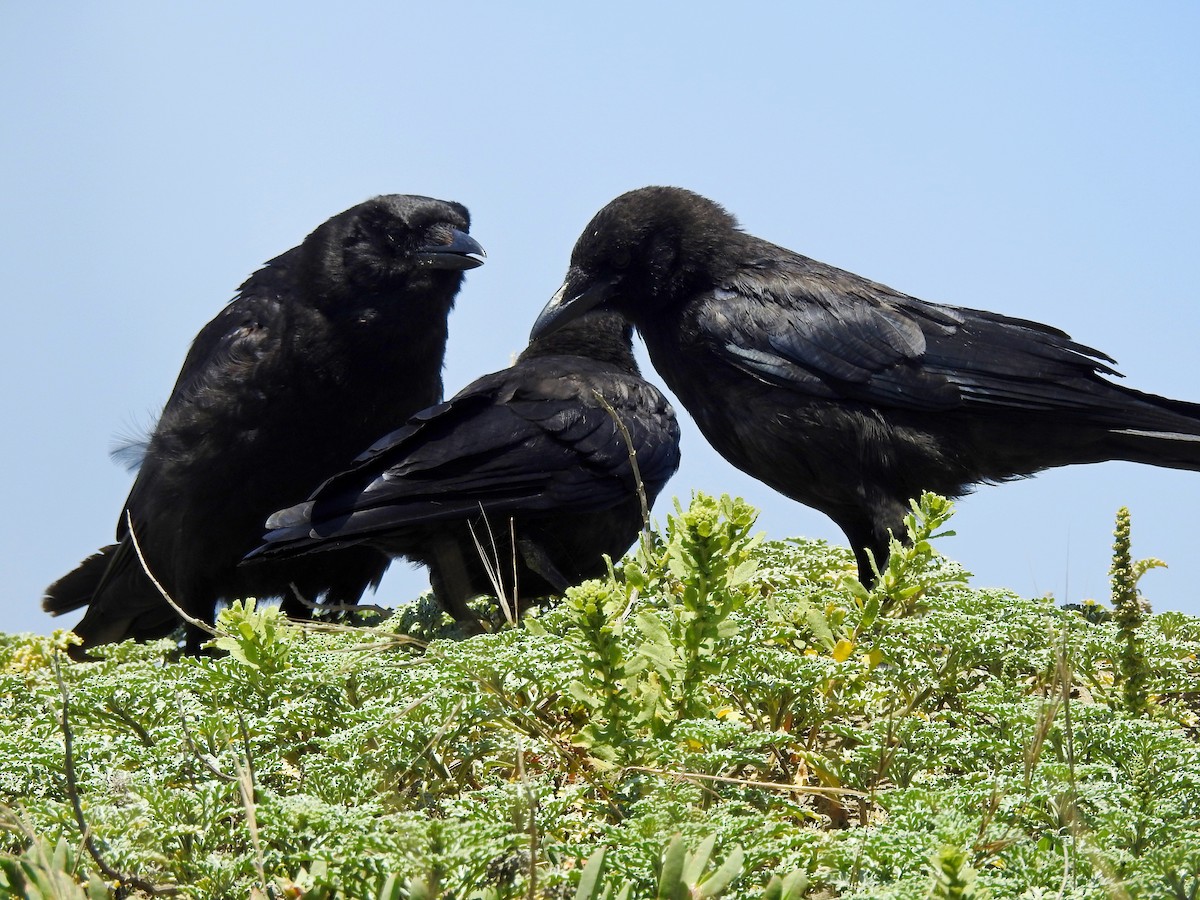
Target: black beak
x,y
284,526
300,514
460,253
569,303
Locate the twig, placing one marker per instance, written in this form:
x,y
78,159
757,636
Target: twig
x,y
336,607
744,782
387,640
77,806
245,780
191,620
509,608
124,718
432,742
245,735
205,758
552,741
1065,677
531,799
516,594
637,472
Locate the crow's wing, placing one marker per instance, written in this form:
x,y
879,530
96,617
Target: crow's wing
x,y
829,334
528,440
212,396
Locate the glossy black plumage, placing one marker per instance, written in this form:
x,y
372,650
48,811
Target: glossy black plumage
x,y
528,451
324,347
843,393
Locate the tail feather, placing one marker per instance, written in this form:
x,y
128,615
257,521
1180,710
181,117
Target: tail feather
x,y
1150,412
1168,449
1161,435
77,587
1188,413
122,603
1159,432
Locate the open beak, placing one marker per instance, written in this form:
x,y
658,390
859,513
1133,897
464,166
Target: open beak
x,y
460,253
569,303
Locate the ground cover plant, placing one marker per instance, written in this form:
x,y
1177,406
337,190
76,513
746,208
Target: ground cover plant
x,y
723,716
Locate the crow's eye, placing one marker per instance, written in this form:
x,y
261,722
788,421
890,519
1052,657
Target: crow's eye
x,y
621,258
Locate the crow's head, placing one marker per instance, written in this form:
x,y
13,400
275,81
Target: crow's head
x,y
645,251
384,243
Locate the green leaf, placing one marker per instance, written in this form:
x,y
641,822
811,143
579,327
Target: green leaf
x,y
870,611
589,879
697,860
794,886
392,889
657,645
790,887
743,573
671,885
577,690
716,883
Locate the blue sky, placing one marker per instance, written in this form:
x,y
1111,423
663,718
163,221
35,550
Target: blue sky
x,y
1035,159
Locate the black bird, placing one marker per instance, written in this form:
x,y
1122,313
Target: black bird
x,y
321,349
539,451
843,393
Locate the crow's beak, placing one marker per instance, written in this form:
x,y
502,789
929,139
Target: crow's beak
x,y
569,303
460,253
300,514
291,524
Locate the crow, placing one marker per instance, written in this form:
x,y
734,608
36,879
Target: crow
x,y
515,487
843,393
320,350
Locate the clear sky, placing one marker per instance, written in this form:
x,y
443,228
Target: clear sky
x,y
1034,159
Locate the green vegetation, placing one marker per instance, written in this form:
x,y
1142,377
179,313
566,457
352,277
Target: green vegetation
x,y
722,717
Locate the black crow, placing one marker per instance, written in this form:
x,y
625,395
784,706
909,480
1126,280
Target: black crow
x,y
539,452
321,349
840,392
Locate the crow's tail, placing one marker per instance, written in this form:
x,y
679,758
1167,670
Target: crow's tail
x,y
77,587
1161,432
122,602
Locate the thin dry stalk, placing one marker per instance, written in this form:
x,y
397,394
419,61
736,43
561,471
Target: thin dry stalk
x,y
191,620
745,782
523,721
433,741
532,828
77,805
335,607
387,641
633,463
245,780
206,759
491,565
